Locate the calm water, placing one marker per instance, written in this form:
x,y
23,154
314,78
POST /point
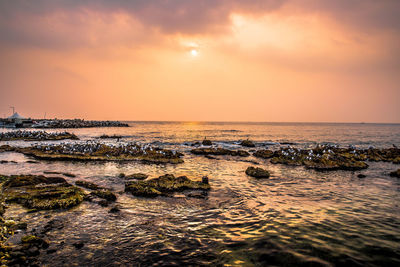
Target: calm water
x,y
297,217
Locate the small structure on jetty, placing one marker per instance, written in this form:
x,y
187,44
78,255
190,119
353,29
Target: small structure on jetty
x,y
16,121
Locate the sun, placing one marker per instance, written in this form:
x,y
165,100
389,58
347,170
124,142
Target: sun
x,y
194,52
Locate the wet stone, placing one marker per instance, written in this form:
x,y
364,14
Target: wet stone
x,y
39,192
136,176
219,151
395,173
206,142
163,186
247,143
257,172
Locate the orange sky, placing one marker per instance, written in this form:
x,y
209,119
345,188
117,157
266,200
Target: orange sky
x,y
272,60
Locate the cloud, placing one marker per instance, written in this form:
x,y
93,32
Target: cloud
x,y
49,22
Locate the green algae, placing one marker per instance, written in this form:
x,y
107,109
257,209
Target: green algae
x,y
105,194
38,192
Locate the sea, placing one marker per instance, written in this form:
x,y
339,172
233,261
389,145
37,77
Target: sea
x,y
297,217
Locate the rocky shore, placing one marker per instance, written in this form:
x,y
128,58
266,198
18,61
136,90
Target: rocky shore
x,y
94,151
76,123
36,136
326,157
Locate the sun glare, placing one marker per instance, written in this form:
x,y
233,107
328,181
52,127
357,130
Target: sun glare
x,y
194,52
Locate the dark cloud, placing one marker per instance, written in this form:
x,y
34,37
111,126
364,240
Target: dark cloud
x,y
22,21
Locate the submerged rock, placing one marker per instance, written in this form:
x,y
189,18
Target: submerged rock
x,y
163,186
206,142
99,191
104,136
87,185
265,154
41,193
395,173
136,176
257,172
247,143
105,194
219,151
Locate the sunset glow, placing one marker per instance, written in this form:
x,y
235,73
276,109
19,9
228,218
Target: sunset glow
x,y
295,60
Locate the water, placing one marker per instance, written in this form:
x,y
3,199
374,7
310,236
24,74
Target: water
x,y
297,217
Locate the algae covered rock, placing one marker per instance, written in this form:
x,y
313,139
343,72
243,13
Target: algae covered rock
x,y
265,154
136,176
87,185
257,172
98,152
36,136
41,193
247,143
163,186
99,191
395,173
104,194
219,151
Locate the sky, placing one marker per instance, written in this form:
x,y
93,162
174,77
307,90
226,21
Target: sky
x,y
201,60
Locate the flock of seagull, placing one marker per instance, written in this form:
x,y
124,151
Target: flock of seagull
x,y
31,135
92,147
326,151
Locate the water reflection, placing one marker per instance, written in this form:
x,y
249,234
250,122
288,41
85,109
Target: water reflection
x,y
297,217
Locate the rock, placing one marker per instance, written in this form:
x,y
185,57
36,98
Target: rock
x,y
206,142
247,143
361,175
98,152
35,136
121,175
163,186
265,154
395,173
22,225
51,251
114,209
105,194
68,174
257,172
87,185
204,179
137,176
219,151
78,245
103,203
197,194
38,192
104,136
32,240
